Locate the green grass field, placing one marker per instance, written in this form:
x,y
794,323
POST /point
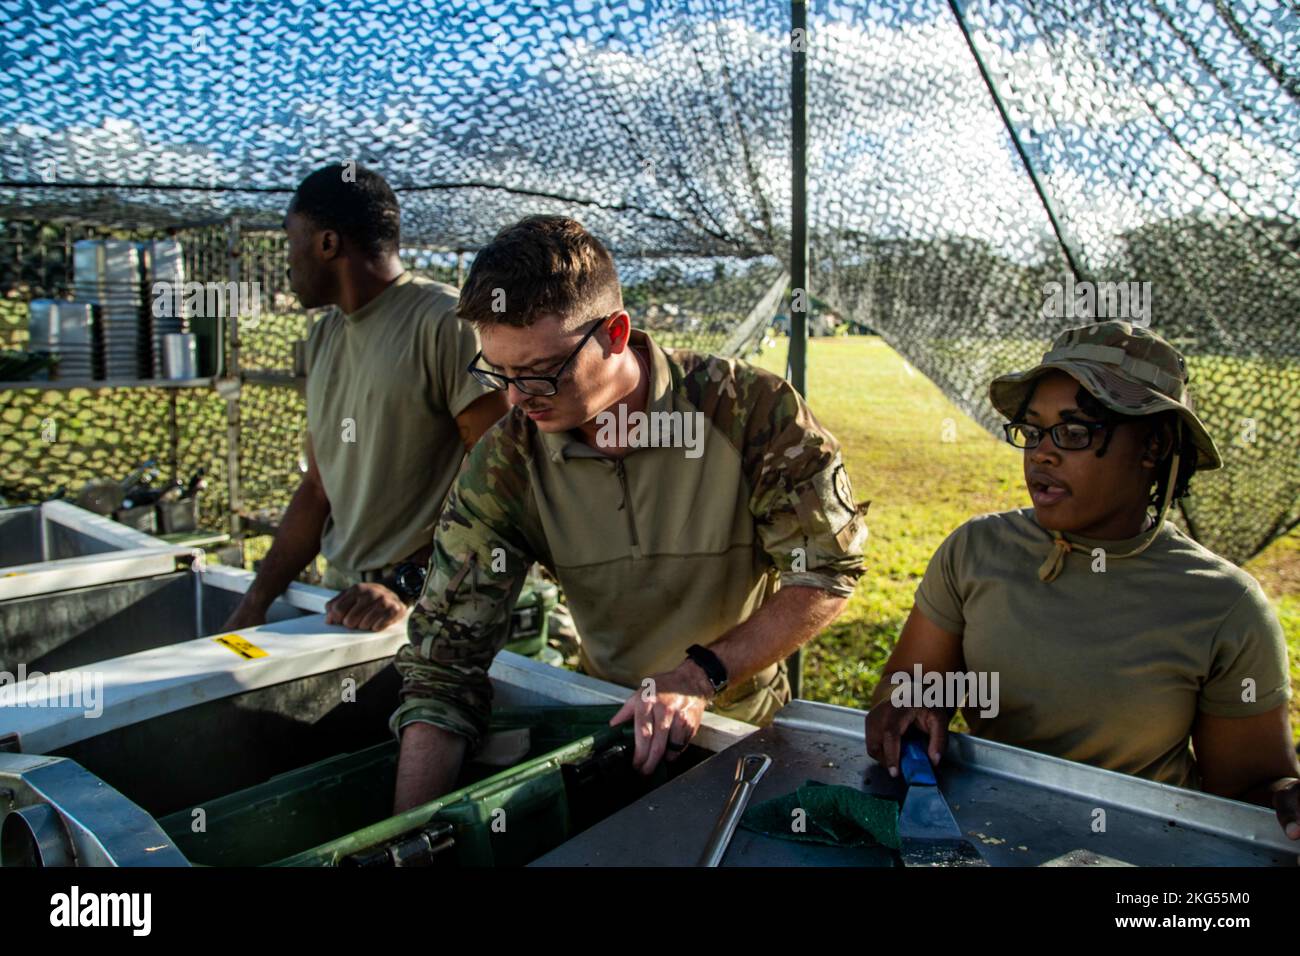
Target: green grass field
x,y
890,420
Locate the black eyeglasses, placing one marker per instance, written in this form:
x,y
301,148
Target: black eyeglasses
x,y
1067,436
541,385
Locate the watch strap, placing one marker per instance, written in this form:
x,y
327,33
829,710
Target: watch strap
x,y
712,666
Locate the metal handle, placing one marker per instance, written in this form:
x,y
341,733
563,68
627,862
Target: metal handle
x,y
749,771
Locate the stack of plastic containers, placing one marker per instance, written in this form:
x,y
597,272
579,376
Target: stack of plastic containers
x,y
165,307
64,329
106,273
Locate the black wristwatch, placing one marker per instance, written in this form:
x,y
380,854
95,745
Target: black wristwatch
x,y
709,663
408,581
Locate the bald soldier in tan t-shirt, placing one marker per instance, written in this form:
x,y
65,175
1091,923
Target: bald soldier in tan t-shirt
x,y
391,410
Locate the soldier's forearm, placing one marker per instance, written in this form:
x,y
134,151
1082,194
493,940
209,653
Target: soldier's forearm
x,y
297,541
785,622
428,764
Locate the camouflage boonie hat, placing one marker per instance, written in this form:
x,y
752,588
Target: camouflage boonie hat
x,y
1130,370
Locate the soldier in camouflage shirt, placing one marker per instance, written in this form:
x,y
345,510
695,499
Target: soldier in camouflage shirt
x,y
663,538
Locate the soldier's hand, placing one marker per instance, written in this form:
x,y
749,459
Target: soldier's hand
x,y
1286,801
887,723
665,713
365,607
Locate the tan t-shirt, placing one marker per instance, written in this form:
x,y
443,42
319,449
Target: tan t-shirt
x,y
1105,668
384,385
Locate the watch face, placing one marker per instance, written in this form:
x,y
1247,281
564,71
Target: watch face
x,y
410,580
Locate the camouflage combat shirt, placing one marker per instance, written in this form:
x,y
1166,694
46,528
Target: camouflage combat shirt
x,y
655,552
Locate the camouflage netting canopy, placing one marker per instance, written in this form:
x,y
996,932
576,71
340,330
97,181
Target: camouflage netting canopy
x,y
963,155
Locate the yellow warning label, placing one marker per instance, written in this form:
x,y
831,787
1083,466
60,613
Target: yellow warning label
x,y
14,574
240,646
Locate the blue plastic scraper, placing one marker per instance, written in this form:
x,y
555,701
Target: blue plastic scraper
x,y
928,834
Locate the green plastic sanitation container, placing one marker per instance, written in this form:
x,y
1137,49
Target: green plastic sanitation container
x,y
338,811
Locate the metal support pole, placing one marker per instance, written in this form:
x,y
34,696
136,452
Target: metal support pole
x,y
798,195
460,268
798,356
233,269
173,434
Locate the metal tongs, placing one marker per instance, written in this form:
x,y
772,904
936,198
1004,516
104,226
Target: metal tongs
x,y
749,771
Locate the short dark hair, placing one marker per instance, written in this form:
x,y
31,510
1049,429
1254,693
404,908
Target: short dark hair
x,y
354,201
541,264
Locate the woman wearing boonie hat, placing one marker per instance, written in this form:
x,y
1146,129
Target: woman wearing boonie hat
x,y
1117,640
